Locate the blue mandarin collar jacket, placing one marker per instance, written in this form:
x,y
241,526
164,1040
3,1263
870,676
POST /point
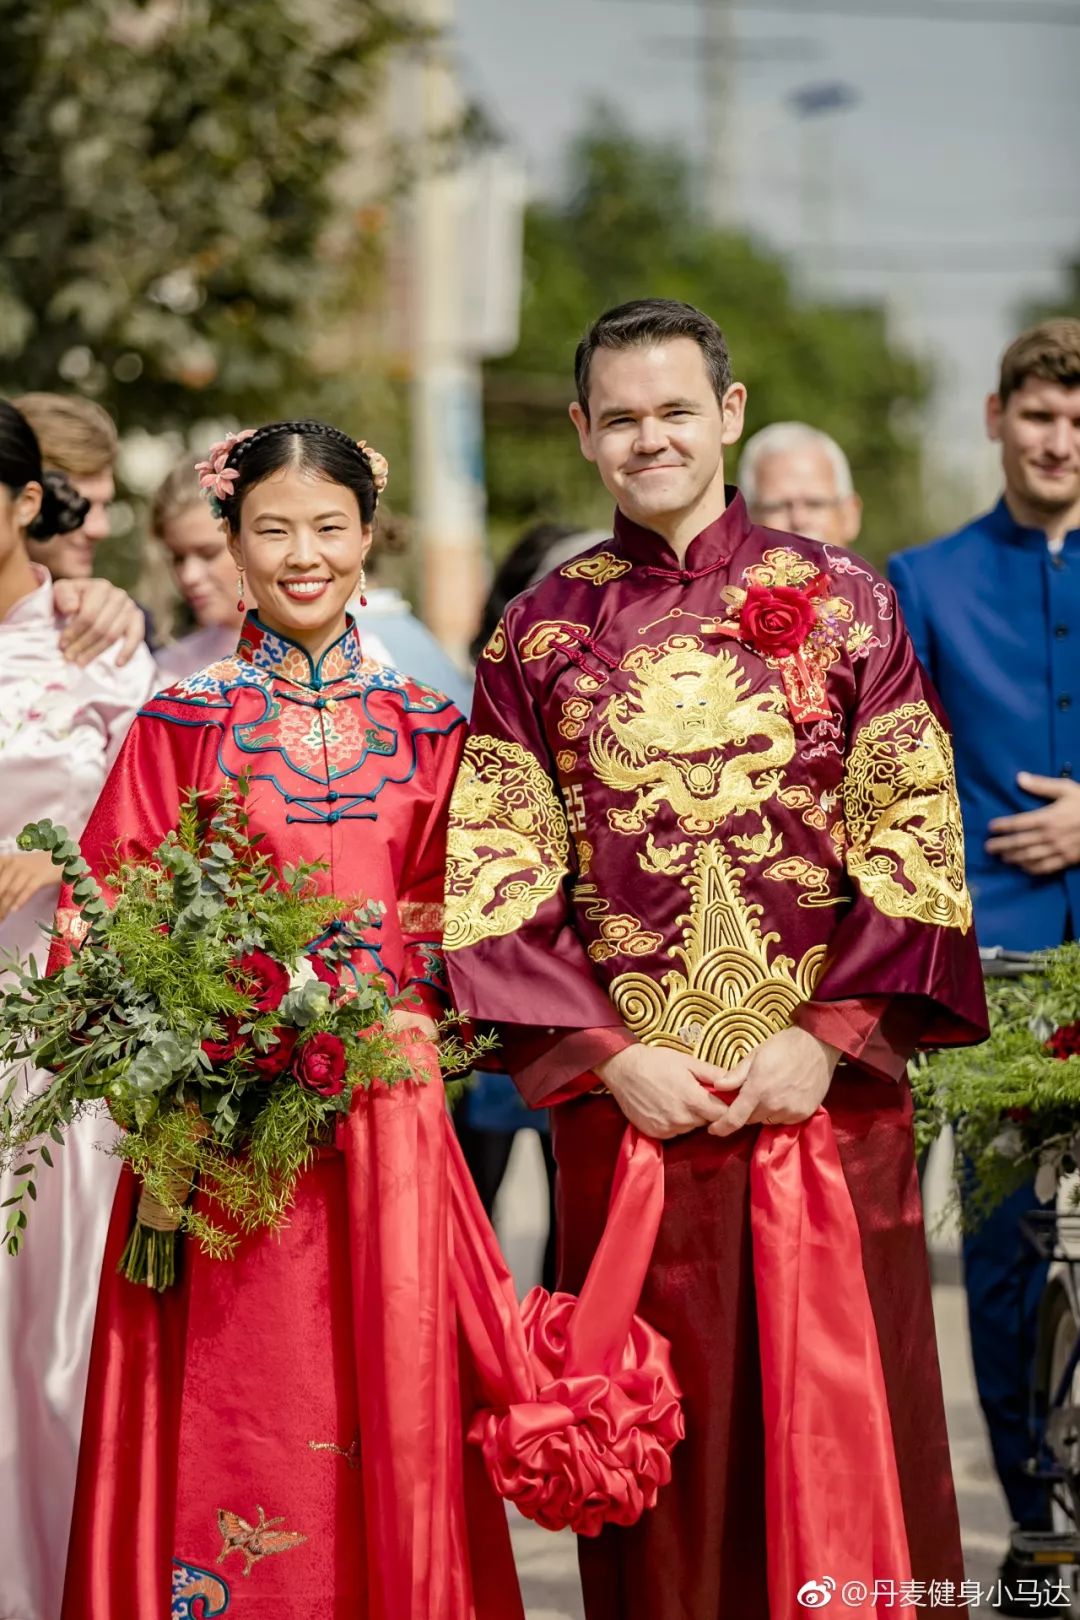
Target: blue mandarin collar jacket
x,y
995,618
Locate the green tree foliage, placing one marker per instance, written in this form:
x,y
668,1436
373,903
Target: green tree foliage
x,y
1068,305
169,231
628,227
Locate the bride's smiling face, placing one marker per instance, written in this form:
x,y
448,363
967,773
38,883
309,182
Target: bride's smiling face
x,y
301,544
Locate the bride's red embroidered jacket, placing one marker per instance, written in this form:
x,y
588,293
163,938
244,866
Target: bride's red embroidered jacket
x,y
701,802
349,764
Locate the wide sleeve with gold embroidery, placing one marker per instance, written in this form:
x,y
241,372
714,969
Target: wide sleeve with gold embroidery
x,y
513,954
908,931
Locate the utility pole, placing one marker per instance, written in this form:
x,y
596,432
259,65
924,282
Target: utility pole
x,y
717,65
447,389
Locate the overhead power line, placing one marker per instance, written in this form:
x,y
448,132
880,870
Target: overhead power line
x,y
1033,13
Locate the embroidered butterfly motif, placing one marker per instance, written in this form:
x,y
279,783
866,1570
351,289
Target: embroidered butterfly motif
x,y
254,1541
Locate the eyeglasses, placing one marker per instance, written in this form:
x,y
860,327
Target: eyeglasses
x,y
813,505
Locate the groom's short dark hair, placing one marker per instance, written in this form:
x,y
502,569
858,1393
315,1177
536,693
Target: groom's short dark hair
x,y
647,321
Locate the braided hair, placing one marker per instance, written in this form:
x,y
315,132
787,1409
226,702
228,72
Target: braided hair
x,y
313,447
63,509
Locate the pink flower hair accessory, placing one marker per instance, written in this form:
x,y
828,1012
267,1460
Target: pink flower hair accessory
x,y
216,480
380,467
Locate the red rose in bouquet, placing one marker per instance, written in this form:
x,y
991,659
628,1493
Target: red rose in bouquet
x,y
263,978
320,1065
776,619
328,973
268,1065
1065,1042
223,1051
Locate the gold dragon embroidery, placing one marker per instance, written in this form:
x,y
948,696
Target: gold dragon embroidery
x,y
508,845
906,842
679,735
731,993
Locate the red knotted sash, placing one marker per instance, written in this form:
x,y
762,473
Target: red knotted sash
x,y
586,1405
586,1409
832,1493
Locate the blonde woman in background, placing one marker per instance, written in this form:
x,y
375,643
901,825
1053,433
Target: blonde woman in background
x,y
203,570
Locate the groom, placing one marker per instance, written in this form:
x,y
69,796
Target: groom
x,y
706,876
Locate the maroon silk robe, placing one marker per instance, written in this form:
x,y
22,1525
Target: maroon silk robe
x,y
664,831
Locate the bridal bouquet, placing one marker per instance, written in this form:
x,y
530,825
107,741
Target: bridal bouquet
x,y
1014,1102
226,1045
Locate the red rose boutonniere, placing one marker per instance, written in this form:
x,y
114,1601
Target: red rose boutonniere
x,y
776,619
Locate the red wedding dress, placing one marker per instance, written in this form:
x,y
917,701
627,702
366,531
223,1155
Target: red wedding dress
x,y
282,1434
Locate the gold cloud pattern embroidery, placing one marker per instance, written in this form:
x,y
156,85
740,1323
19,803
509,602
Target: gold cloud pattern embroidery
x,y
598,570
620,935
498,646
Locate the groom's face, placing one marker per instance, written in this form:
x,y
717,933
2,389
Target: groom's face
x,y
655,428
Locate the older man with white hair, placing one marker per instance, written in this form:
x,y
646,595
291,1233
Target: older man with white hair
x,y
794,477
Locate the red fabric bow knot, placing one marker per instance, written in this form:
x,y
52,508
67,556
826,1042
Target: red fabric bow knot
x,y
590,1449
585,1409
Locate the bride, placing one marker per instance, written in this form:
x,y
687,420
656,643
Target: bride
x,y
281,1434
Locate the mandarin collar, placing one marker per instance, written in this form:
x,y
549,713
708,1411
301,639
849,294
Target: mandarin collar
x,y
278,654
1003,526
708,551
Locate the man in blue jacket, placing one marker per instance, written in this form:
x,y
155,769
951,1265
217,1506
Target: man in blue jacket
x,y
994,613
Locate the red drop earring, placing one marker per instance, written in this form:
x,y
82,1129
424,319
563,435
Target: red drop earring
x,y
240,603
363,586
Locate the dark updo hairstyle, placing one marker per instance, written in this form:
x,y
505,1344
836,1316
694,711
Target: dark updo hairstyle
x,y
62,509
312,447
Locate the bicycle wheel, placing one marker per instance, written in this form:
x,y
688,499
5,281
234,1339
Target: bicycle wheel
x,y
1061,1330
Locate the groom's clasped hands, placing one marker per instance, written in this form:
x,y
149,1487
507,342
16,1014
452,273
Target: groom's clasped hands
x,y
665,1094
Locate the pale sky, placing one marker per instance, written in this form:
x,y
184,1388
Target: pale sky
x,y
951,187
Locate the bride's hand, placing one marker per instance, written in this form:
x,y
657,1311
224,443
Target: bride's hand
x,y
425,1026
22,875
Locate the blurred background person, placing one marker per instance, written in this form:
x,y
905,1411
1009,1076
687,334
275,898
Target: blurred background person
x,y
491,1112
541,548
60,727
389,629
194,542
796,478
78,438
994,613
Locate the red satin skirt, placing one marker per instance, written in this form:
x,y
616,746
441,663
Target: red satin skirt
x,y
225,1463
700,1553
